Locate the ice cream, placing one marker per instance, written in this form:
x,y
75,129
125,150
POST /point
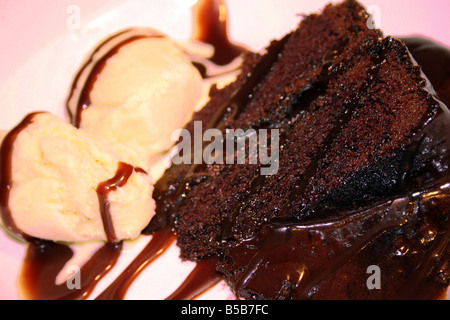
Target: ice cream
x,y
137,87
56,172
144,92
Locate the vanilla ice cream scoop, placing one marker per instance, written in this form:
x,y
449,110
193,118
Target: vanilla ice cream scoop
x,y
68,185
141,87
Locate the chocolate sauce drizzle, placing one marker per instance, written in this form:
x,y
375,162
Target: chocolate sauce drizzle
x,y
304,269
124,172
84,80
158,244
210,26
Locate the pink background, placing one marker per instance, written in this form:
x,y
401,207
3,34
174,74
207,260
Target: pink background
x,y
27,24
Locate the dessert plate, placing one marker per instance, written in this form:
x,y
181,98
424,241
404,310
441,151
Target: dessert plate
x,y
47,41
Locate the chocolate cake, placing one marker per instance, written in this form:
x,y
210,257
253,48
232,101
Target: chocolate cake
x,y
363,177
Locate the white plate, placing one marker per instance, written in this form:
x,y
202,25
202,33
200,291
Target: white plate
x,y
44,42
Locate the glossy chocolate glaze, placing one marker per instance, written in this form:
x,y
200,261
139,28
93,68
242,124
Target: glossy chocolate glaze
x,y
210,26
277,253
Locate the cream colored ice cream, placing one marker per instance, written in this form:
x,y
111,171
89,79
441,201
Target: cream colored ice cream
x,y
56,170
148,89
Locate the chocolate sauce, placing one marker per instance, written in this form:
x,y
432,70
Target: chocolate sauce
x,y
167,207
83,83
210,26
290,251
44,261
434,59
160,242
202,277
124,172
6,183
293,260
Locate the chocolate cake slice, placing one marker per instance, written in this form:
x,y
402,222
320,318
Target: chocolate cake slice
x,y
362,181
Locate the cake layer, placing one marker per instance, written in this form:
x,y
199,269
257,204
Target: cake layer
x,y
357,159
405,236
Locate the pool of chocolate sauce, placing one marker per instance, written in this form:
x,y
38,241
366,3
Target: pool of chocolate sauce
x,y
44,259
